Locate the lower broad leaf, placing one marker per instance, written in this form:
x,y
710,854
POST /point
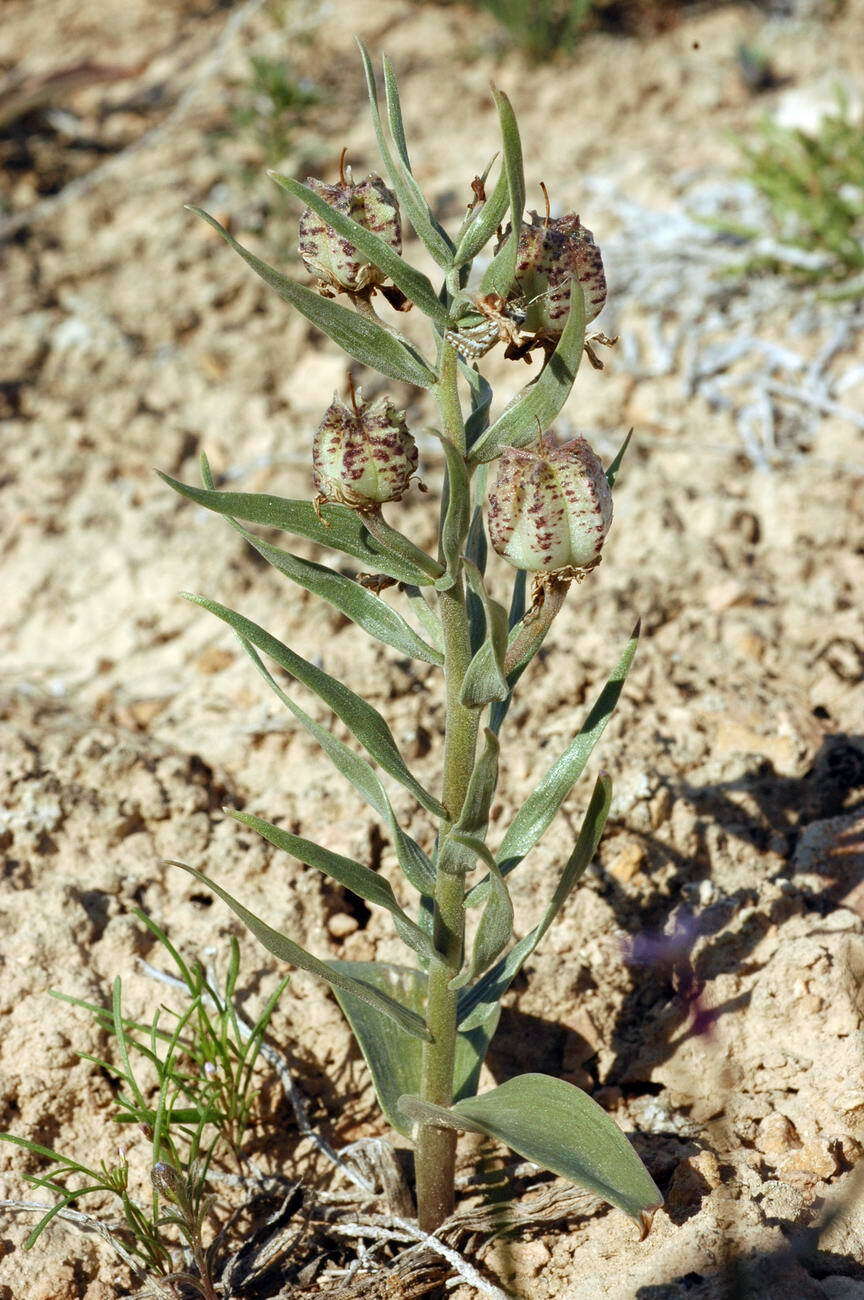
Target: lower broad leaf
x,y
559,1127
395,1059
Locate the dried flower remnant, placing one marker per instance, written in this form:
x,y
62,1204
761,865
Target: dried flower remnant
x,y
339,267
363,454
487,321
551,508
550,254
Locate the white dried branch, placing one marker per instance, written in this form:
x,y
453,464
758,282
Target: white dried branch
x,y
403,1231
87,1223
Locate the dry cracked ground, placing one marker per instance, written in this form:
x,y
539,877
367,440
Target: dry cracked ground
x,y
705,984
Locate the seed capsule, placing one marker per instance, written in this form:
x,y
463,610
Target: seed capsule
x,y
550,254
363,455
168,1182
551,508
336,262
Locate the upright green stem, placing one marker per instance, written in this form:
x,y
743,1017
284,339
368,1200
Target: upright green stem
x,y
436,1147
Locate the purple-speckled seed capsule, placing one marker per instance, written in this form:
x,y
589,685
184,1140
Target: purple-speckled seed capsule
x,y
551,508
336,262
363,455
550,254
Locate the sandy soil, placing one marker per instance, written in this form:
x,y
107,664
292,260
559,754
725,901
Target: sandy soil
x,y
706,983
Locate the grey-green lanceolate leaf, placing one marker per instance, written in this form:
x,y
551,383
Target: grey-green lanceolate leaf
x,y
457,515
474,817
499,274
484,679
358,604
496,922
560,1128
414,863
476,1003
541,401
473,820
484,222
397,131
425,614
402,549
477,551
340,529
364,608
394,1059
361,719
407,190
538,810
416,287
481,400
361,880
287,950
360,337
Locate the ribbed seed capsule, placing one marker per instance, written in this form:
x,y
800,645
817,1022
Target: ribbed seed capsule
x,y
336,262
363,455
550,254
551,507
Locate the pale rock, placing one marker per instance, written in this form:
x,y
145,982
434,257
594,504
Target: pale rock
x,y
812,1162
341,924
628,861
777,1135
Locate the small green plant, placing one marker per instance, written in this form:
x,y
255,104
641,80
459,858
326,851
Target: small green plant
x,y
274,103
814,185
193,1097
541,28
425,1029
